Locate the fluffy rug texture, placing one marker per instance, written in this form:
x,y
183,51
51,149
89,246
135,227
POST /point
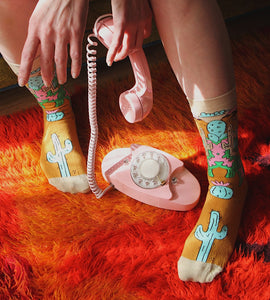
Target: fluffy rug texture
x,y
62,246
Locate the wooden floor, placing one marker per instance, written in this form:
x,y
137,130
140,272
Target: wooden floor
x,y
18,99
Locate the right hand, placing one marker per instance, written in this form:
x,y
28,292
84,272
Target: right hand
x,y
132,21
53,25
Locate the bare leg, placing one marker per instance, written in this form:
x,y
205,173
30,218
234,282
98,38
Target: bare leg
x,y
197,45
14,18
68,174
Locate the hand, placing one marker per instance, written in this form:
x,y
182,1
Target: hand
x,y
53,25
132,24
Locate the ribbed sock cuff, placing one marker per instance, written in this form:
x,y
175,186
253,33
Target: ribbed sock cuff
x,y
214,106
16,67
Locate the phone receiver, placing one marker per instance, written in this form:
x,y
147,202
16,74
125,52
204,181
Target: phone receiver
x,y
151,176
136,103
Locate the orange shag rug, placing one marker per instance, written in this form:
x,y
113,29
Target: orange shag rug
x,y
61,246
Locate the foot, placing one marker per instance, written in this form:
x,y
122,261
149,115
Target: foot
x,y
62,159
211,242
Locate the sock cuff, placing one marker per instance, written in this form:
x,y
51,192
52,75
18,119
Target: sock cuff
x,y
213,106
16,67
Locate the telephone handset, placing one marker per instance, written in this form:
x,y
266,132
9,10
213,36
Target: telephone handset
x,y
136,103
144,173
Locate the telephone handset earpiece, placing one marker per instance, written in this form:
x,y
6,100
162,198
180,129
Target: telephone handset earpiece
x,y
136,103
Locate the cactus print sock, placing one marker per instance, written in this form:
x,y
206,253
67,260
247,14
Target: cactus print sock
x,y
211,242
61,157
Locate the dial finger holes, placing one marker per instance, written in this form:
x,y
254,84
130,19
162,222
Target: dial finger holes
x,y
150,169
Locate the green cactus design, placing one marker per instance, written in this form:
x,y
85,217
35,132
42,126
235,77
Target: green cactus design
x,y
208,237
59,156
52,117
59,96
35,83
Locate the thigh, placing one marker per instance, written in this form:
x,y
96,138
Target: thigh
x,y
14,18
197,45
169,17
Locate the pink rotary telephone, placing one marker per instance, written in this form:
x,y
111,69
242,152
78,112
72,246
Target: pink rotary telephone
x,y
144,173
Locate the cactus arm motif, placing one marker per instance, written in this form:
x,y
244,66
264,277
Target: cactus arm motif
x,y
208,237
59,156
55,116
221,190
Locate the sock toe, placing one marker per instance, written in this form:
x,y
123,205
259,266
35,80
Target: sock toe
x,y
72,184
197,271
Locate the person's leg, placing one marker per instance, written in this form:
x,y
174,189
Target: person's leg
x,y
197,45
14,17
61,157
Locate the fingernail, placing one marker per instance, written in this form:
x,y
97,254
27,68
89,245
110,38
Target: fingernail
x,y
21,82
109,63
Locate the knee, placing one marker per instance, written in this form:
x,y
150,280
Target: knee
x,y
15,7
187,6
9,5
191,7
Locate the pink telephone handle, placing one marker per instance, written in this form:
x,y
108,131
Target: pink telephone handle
x,y
136,103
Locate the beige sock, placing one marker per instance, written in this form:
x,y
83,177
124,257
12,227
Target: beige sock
x,y
61,157
211,242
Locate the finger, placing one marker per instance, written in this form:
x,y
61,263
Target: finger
x,y
61,60
139,38
46,58
28,55
115,46
76,57
148,27
128,45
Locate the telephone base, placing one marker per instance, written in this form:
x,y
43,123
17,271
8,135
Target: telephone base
x,y
151,176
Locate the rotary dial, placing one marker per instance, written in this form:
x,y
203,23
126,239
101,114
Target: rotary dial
x,y
150,169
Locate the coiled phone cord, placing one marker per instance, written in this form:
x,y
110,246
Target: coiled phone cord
x,y
92,94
